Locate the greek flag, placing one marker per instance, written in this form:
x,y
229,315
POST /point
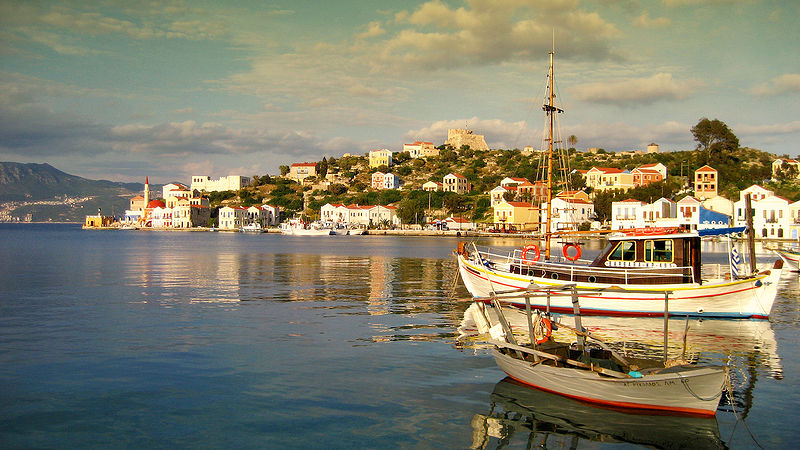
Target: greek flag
x,y
735,261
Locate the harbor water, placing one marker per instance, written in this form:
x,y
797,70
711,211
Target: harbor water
x,y
177,339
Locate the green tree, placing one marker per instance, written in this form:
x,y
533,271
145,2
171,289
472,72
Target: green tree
x,y
322,168
284,170
714,137
410,211
572,140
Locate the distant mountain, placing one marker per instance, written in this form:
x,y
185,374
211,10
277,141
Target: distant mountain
x,y
46,193
26,182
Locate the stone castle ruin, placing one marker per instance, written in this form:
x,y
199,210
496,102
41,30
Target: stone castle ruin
x,y
457,137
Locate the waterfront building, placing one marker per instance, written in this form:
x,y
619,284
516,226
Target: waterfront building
x,y
772,217
161,217
568,214
459,223
625,214
719,204
522,216
706,181
264,215
300,171
366,215
232,217
190,216
98,221
205,183
456,183
382,157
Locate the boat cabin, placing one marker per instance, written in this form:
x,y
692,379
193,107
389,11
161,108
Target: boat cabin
x,y
679,251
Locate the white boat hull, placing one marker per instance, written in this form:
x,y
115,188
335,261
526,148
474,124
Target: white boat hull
x,y
745,298
690,390
791,259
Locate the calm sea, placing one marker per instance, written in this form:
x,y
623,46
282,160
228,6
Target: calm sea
x,y
171,339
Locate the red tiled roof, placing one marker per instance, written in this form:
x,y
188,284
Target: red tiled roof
x,y
304,164
706,168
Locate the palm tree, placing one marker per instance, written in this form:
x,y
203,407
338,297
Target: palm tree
x,y
572,140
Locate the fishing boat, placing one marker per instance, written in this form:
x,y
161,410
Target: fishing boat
x,y
252,228
523,417
591,371
299,227
713,340
646,260
790,257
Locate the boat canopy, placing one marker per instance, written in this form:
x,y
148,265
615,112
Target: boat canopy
x,y
721,231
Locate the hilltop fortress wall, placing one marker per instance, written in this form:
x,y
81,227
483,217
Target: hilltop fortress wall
x,y
456,137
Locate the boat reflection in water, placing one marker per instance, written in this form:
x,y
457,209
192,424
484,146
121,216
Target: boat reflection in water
x,y
707,340
520,415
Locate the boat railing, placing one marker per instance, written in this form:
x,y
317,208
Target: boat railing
x,y
514,257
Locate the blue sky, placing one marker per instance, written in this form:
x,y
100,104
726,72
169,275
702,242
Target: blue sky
x,y
123,89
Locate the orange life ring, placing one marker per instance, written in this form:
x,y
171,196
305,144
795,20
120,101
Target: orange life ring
x,y
548,330
566,252
535,250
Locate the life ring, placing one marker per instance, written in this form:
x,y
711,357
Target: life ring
x,y
566,252
531,247
543,325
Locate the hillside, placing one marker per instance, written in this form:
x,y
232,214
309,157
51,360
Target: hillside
x,y
45,193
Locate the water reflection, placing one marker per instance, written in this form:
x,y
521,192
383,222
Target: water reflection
x,y
525,417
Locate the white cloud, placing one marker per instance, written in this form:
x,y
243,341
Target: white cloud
x,y
374,29
645,21
642,91
788,83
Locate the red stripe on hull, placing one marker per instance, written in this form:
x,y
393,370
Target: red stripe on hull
x,y
625,405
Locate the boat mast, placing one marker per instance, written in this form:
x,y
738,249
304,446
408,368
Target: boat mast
x,y
549,109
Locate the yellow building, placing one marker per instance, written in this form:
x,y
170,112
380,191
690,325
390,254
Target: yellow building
x,y
520,215
98,221
382,157
706,179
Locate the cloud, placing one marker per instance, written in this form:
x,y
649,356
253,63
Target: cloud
x,y
772,129
637,91
645,21
785,84
374,29
437,36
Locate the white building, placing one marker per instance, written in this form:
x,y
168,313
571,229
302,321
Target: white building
x,y
264,215
229,183
626,214
366,215
455,183
772,217
232,217
420,149
568,214
175,190
161,217
497,194
382,180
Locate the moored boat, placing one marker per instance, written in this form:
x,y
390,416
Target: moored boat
x,y
791,258
297,227
252,228
647,263
597,374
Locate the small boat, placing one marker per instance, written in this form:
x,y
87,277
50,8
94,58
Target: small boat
x,y
523,417
791,258
252,228
593,372
298,227
356,231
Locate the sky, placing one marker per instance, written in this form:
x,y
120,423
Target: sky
x,y
120,90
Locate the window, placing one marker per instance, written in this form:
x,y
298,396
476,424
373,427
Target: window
x,y
624,251
658,250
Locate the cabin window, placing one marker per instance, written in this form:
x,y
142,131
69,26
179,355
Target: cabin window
x,y
624,251
658,250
